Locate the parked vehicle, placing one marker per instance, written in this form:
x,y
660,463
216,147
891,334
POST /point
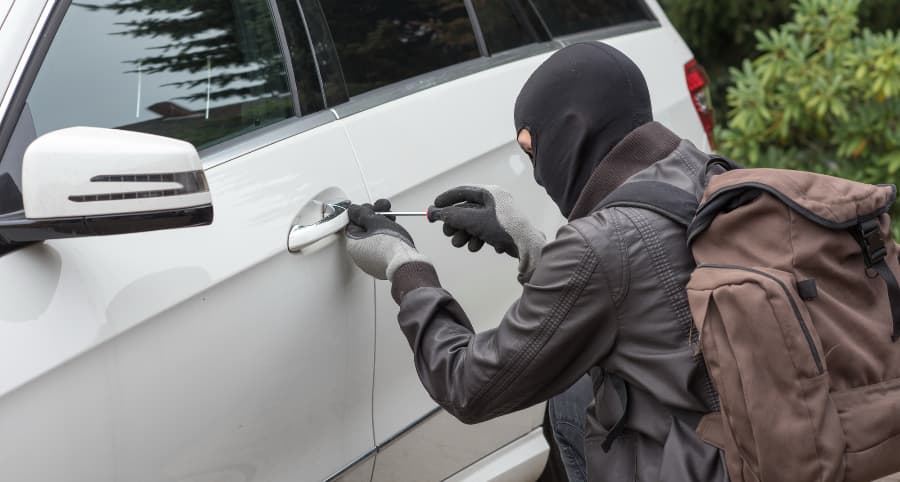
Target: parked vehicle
x,y
246,346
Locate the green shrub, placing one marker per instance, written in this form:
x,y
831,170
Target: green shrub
x,y
721,32
822,96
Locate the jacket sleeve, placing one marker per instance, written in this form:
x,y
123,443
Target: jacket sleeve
x,y
561,326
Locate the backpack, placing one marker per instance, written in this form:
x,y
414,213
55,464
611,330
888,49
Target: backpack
x,y
797,306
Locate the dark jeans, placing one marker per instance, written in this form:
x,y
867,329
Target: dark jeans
x,y
567,419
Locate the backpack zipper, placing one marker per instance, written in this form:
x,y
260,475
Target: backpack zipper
x,y
806,333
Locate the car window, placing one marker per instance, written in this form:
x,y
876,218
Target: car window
x,y
302,58
203,71
384,41
506,24
564,17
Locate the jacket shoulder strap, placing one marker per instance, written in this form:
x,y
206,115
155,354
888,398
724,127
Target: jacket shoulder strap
x,y
659,197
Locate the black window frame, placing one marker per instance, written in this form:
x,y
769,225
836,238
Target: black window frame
x,y
548,42
526,13
651,21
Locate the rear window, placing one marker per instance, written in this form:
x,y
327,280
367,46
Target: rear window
x,y
384,41
564,17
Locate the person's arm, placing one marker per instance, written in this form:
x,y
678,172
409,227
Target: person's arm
x,y
564,322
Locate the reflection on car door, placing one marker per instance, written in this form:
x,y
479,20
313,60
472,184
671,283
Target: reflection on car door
x,y
205,354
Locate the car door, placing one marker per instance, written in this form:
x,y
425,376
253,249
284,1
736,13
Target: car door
x,y
429,111
203,354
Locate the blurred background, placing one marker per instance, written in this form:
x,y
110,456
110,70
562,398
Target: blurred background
x,y
810,84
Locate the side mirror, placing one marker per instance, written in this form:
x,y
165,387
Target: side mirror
x,y
87,181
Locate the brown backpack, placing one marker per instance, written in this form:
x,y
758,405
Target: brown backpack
x,y
797,306
792,300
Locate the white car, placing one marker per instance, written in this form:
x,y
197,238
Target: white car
x,y
246,346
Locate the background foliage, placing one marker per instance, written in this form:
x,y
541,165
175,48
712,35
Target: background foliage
x,y
821,96
721,32
813,85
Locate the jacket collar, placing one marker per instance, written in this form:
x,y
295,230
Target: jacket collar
x,y
639,150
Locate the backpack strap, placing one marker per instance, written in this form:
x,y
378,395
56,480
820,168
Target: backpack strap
x,y
868,235
659,197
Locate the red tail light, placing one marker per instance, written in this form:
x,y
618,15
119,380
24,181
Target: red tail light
x,y
698,85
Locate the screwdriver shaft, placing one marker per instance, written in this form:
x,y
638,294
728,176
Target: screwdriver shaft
x,y
404,213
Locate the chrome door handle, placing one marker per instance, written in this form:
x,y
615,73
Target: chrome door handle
x,y
334,219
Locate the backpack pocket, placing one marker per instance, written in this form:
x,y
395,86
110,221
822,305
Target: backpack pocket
x,y
870,416
766,360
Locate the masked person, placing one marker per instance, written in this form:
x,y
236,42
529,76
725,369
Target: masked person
x,y
605,298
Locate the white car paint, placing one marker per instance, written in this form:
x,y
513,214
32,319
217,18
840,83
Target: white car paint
x,y
5,5
517,461
63,163
215,354
198,354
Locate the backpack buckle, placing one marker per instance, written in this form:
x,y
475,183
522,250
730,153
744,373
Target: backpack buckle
x,y
871,241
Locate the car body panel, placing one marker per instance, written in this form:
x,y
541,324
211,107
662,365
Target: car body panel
x,y
439,446
462,129
200,354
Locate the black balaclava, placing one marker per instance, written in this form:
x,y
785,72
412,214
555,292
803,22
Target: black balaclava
x,y
577,106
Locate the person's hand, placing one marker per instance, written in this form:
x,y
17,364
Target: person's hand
x,y
377,244
475,215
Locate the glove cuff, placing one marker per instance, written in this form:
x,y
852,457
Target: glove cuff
x,y
416,274
530,247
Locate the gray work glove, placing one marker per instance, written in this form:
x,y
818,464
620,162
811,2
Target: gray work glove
x,y
476,215
377,244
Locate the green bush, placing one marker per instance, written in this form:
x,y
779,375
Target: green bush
x,y
822,96
721,32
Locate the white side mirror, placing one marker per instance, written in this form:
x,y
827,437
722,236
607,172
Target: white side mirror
x,y
87,181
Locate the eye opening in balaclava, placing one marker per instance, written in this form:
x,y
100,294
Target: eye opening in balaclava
x,y
577,106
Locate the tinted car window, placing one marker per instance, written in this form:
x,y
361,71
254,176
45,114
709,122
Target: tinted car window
x,y
565,17
384,41
302,58
198,71
506,24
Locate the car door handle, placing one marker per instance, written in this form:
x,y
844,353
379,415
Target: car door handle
x,y
334,219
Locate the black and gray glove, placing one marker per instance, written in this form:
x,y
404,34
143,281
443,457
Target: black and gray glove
x,y
377,244
475,215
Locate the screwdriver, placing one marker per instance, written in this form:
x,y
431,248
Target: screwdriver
x,y
424,214
404,213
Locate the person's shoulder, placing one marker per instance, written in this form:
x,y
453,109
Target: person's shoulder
x,y
595,241
601,229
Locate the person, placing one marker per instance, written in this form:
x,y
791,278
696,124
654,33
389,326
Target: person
x,y
605,298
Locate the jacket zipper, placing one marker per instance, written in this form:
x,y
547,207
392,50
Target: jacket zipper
x,y
803,327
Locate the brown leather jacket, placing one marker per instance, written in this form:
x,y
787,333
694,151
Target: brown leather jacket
x,y
607,298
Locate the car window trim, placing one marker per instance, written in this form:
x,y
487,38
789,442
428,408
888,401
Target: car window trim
x,y
311,11
476,28
244,144
312,51
520,14
286,58
33,57
608,32
537,13
647,10
397,90
519,11
382,95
